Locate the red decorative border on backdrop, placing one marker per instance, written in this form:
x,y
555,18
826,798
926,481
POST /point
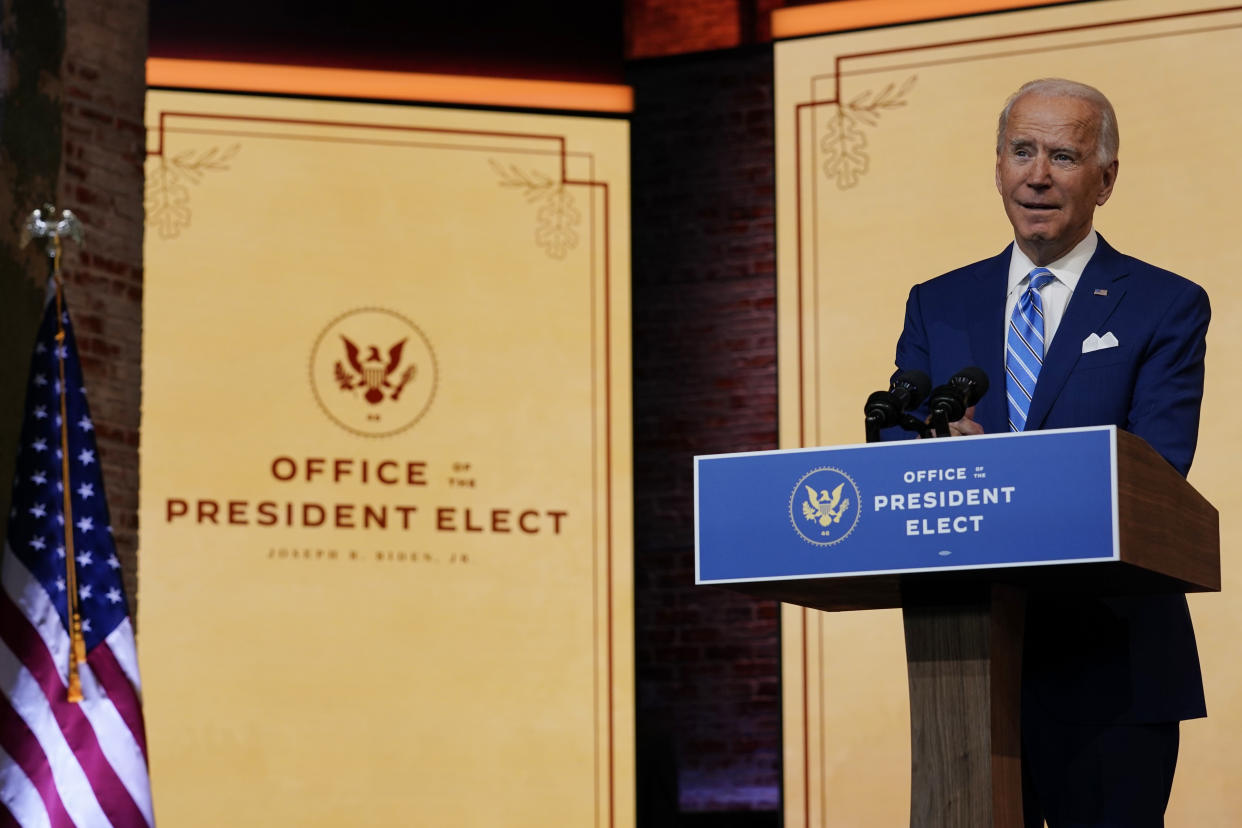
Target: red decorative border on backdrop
x,y
560,142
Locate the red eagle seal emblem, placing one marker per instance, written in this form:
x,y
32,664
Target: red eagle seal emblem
x,y
375,373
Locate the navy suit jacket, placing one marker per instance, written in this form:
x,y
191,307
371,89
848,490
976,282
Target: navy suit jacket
x,y
1128,659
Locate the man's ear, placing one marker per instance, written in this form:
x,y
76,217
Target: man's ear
x,y
1109,179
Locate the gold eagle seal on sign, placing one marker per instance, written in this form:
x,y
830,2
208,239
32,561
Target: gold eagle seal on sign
x,y
373,372
824,506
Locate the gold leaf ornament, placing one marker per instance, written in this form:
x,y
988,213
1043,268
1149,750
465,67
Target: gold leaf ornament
x,y
844,147
167,202
844,143
167,192
556,216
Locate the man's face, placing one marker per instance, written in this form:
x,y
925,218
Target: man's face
x,y
1049,175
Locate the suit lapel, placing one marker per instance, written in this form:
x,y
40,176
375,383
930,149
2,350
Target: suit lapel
x,y
987,342
1086,312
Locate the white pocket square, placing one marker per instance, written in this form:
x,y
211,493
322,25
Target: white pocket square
x,y
1095,342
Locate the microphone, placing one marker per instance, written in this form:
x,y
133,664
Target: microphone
x,y
885,408
950,401
910,388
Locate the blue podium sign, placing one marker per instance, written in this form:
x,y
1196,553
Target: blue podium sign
x,y
1041,497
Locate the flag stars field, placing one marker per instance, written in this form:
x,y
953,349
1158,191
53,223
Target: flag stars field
x,y
79,765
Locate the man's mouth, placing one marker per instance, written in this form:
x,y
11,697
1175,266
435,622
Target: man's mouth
x,y
1034,206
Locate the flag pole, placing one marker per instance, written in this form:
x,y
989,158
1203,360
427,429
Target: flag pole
x,y
77,645
40,226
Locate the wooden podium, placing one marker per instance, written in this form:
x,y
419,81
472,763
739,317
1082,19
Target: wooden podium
x,y
964,623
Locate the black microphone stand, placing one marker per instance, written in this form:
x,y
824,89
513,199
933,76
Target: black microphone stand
x,y
909,422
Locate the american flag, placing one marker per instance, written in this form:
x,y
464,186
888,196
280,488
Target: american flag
x,y
63,763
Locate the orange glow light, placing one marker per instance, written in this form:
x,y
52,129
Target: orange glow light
x,y
402,86
844,15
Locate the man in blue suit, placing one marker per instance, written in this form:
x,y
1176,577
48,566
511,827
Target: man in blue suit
x,y
1083,335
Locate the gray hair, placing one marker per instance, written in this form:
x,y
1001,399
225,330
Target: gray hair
x,y
1107,142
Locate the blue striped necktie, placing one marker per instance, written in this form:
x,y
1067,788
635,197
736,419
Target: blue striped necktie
x,y
1024,348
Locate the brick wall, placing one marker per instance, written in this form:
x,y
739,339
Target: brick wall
x,y
103,79
660,28
72,133
704,331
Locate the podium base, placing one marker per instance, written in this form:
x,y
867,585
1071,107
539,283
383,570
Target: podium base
x,y
964,664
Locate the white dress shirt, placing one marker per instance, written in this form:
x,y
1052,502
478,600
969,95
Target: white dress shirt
x,y
1056,294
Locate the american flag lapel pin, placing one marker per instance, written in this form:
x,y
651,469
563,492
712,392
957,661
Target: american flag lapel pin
x,y
1101,291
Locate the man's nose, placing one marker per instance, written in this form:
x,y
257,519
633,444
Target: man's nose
x,y
1038,172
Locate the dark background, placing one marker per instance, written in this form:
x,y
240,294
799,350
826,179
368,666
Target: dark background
x,y
546,39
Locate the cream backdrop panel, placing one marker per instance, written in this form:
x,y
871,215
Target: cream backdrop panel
x,y
885,154
386,533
